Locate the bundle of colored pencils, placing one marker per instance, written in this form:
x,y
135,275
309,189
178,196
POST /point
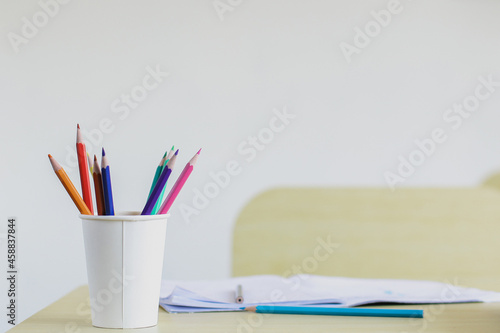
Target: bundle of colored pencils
x,y
156,202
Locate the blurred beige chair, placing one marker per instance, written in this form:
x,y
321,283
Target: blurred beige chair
x,y
493,181
442,234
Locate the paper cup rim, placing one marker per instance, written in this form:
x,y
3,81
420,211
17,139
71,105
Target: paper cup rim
x,y
125,216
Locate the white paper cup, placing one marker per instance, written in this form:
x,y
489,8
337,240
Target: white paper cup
x,y
124,266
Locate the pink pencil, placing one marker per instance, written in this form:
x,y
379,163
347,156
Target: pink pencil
x,y
178,184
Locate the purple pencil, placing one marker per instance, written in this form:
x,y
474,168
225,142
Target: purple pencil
x,y
160,184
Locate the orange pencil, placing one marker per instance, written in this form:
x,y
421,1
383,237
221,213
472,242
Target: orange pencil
x,y
70,188
84,170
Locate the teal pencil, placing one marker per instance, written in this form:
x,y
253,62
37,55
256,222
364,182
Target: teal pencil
x,y
159,168
315,310
157,206
160,184
171,153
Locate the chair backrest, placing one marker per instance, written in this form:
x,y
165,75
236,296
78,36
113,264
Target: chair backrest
x,y
443,234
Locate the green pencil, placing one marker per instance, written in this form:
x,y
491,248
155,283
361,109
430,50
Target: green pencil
x,y
157,206
159,168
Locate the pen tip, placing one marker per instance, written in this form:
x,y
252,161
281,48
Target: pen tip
x,y
198,153
177,152
103,152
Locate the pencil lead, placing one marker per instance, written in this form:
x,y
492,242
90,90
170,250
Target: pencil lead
x,y
176,152
78,126
103,152
172,148
198,152
50,156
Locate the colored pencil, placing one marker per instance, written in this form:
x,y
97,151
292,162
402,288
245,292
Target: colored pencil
x,y
178,184
170,153
84,170
99,194
239,294
70,188
160,184
91,165
106,185
315,310
157,206
159,168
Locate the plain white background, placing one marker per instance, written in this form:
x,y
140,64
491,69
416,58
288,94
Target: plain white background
x,y
227,73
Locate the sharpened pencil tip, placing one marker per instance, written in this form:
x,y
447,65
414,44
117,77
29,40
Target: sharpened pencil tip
x,y
251,308
177,152
172,148
103,152
95,158
50,156
198,153
78,126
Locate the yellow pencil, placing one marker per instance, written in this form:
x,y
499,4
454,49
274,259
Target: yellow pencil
x,y
70,188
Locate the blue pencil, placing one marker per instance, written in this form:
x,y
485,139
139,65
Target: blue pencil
x,y
315,310
160,184
106,185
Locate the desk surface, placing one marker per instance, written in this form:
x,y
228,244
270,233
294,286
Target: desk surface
x,y
70,314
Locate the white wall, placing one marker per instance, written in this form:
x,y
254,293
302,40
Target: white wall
x,y
352,119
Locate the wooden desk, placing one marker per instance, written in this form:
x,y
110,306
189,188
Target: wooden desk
x,y
63,316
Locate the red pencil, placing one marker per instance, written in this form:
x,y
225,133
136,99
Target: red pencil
x,y
84,170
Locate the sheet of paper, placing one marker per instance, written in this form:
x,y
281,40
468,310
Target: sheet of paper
x,y
300,290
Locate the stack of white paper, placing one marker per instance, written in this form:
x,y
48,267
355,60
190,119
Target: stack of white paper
x,y
303,290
